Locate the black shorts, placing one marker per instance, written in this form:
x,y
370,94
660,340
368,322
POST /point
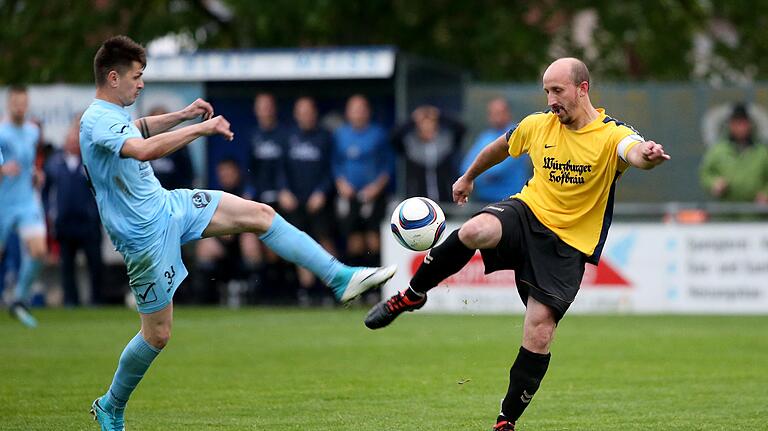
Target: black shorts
x,y
545,267
354,216
317,225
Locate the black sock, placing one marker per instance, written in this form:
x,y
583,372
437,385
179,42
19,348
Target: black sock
x,y
524,379
441,262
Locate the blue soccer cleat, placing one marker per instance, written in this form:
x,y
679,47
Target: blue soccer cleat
x,y
21,313
357,281
108,421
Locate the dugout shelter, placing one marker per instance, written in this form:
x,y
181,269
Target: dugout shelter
x,y
393,81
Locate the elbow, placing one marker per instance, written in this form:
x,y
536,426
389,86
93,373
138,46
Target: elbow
x,y
146,154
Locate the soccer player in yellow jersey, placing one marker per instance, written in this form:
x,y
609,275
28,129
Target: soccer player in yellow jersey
x,y
548,231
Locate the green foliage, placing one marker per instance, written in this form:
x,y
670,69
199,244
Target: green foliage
x,y
495,39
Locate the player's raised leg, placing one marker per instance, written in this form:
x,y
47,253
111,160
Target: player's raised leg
x,y
136,358
479,232
236,215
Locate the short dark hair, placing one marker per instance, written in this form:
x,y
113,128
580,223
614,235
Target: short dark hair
x,y
117,53
580,73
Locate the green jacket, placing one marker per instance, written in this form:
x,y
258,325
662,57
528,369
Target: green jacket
x,y
745,170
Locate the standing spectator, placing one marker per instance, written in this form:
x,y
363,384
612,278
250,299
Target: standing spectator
x,y
362,165
174,171
430,143
305,200
508,177
267,178
22,210
76,222
736,168
267,147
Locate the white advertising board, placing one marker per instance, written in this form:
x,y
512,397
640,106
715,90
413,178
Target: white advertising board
x,y
645,268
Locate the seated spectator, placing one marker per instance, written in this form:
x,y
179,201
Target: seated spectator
x,y
735,169
430,144
304,202
174,171
508,177
76,222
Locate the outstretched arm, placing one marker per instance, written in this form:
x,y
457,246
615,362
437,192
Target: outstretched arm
x,y
156,124
647,155
165,143
493,154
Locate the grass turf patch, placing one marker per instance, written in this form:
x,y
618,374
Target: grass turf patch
x,y
289,369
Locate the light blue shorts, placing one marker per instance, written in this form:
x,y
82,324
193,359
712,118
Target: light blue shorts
x,y
26,219
155,273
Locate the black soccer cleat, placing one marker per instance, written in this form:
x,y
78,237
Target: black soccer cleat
x,y
504,425
383,313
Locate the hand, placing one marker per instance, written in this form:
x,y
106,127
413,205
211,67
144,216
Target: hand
x,y
369,193
10,169
198,108
287,200
315,202
462,188
654,153
345,189
719,186
218,126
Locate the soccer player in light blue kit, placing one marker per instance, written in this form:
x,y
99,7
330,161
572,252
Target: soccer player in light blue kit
x,y
22,210
148,224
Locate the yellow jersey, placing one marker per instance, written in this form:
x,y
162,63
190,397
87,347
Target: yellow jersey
x,y
574,175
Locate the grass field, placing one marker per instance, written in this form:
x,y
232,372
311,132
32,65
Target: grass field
x,y
287,369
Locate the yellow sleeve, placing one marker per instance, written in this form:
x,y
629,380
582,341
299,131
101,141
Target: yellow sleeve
x,y
518,138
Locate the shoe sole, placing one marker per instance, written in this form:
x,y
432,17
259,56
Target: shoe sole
x,y
373,280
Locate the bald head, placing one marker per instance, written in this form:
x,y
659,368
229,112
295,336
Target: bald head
x,y
574,68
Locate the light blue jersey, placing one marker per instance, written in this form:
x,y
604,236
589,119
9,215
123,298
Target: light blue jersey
x,y
147,224
130,198
19,144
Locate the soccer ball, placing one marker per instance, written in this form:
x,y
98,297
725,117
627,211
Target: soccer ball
x,y
417,223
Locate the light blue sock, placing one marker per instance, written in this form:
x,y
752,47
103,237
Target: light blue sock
x,y
27,273
134,362
297,247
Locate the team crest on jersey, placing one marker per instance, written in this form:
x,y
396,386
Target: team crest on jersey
x,y
120,128
201,199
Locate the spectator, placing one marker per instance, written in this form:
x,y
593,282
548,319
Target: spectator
x,y
362,165
174,171
267,178
430,143
508,177
304,201
225,258
267,147
76,223
735,169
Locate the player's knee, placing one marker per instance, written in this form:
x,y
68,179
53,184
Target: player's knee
x,y
538,337
260,217
158,337
478,233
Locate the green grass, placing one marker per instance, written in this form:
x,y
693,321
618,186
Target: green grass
x,y
278,369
